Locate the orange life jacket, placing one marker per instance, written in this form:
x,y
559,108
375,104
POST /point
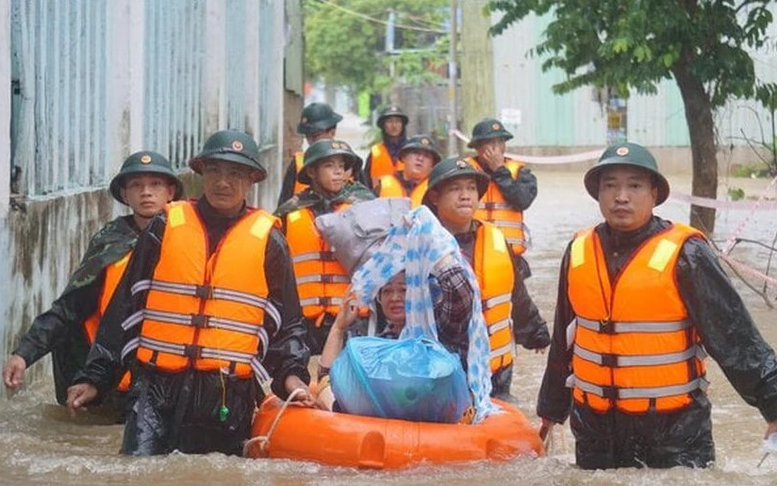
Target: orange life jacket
x,y
113,274
390,186
634,347
381,163
493,267
321,280
495,209
299,160
207,312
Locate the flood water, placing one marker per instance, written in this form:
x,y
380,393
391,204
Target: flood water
x,y
40,444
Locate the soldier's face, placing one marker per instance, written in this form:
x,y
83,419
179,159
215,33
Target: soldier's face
x,y
329,175
418,164
147,194
494,145
626,197
225,185
393,126
456,201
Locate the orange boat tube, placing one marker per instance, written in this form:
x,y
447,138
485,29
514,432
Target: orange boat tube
x,y
340,439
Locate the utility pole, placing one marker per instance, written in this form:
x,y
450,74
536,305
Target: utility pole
x,y
452,79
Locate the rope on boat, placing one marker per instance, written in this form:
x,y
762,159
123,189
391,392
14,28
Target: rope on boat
x,y
264,440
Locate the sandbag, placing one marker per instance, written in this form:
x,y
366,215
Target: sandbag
x,y
409,379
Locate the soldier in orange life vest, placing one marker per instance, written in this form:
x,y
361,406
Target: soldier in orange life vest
x,y
419,155
641,300
383,158
454,191
145,183
207,311
317,122
511,190
321,279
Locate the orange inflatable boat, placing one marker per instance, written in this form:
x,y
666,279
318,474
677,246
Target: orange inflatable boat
x,y
340,439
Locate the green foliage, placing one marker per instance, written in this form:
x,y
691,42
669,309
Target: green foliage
x,y
736,193
634,44
344,49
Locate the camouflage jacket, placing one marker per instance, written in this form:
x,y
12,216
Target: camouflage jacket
x,y
352,193
60,330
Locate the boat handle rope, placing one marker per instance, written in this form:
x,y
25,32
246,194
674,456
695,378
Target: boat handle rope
x,y
264,440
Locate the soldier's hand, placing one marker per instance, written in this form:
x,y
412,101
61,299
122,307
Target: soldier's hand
x,y
493,157
546,428
80,395
303,397
13,372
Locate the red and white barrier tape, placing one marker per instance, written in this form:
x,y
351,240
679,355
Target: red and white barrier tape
x,y
745,269
545,159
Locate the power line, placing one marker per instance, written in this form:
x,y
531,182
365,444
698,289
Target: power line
x,y
379,21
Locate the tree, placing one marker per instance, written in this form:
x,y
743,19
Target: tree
x,y
345,41
634,44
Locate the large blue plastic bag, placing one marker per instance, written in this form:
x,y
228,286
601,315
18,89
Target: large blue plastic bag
x,y
408,379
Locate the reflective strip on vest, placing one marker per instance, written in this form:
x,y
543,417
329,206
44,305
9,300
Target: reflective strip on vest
x,y
208,292
613,360
501,223
260,372
494,205
131,345
194,351
325,301
507,349
498,326
495,301
648,392
625,327
313,255
323,279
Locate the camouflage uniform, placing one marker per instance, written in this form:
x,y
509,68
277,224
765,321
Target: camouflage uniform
x,y
60,329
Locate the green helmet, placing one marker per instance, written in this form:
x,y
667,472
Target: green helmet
x,y
453,168
232,146
488,128
317,117
326,148
144,162
390,111
627,154
421,142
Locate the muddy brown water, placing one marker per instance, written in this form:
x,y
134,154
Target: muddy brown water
x,y
40,444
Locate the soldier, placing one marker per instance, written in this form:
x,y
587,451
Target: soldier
x,y
418,156
321,279
208,310
511,190
317,122
383,158
455,188
145,183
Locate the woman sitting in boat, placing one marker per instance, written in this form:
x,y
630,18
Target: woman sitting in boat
x,y
417,284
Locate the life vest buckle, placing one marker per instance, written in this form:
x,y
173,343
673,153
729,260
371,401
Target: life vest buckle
x,y
204,291
327,256
327,278
192,351
610,392
200,320
609,360
606,326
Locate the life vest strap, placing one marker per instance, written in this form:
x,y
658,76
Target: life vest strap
x,y
326,278
616,361
323,301
614,393
502,223
501,351
494,205
608,327
194,351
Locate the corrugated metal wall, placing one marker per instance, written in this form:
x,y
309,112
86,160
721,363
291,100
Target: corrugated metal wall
x,y
59,52
96,80
576,119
